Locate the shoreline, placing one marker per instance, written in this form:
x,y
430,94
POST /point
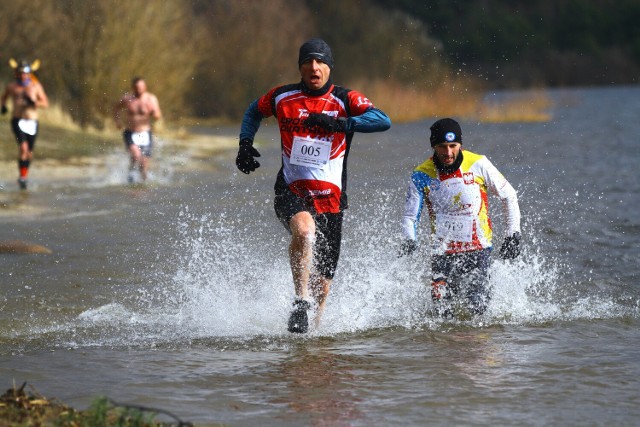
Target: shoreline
x,y
51,161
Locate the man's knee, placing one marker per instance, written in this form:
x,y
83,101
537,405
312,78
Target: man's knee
x,y
303,226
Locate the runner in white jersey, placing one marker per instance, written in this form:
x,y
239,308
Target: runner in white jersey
x,y
454,185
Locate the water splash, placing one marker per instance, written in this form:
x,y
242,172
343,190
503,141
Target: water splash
x,y
231,286
232,282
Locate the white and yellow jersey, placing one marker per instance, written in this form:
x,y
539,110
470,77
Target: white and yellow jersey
x,y
458,204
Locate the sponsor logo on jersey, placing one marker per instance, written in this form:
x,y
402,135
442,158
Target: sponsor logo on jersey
x,y
320,192
295,124
363,101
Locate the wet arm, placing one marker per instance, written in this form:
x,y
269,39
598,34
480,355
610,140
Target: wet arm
x,y
41,101
250,122
511,210
372,120
498,185
412,209
157,112
3,99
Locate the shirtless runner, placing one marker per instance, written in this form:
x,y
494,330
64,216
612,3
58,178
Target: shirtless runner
x,y
141,108
27,95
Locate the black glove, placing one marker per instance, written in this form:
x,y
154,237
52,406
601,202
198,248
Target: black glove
x,y
4,110
407,248
510,248
245,160
326,122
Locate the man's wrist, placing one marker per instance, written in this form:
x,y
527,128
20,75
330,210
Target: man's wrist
x,y
343,123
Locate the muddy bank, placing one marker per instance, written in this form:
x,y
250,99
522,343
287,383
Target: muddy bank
x,y
25,406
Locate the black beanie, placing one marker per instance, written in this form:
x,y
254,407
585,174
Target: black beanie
x,y
445,130
315,48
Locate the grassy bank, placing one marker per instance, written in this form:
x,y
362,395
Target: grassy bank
x,y
65,151
60,139
25,406
408,103
56,142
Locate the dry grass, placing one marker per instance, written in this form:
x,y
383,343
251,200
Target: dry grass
x,y
59,117
403,103
528,106
56,116
409,103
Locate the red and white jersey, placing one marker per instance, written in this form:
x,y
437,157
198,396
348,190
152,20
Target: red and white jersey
x,y
313,160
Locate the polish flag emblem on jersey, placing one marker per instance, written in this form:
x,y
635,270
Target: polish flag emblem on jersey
x,y
468,177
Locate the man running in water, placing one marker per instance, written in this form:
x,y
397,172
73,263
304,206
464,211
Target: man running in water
x,y
453,184
141,107
27,95
317,121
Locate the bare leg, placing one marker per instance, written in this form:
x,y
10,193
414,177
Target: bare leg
x,y
320,290
144,162
136,160
303,230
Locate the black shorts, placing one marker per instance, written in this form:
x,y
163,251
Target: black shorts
x,y
146,150
21,136
326,250
465,272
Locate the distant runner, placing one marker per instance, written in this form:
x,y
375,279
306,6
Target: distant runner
x,y
453,185
141,107
27,95
317,120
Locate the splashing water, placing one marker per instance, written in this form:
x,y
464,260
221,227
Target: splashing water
x,y
232,279
230,286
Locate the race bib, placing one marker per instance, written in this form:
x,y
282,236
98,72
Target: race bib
x,y
313,153
454,228
28,126
141,139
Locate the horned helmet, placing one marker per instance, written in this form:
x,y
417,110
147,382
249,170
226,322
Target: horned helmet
x,y
24,66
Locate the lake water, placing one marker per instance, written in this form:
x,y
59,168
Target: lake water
x,y
175,295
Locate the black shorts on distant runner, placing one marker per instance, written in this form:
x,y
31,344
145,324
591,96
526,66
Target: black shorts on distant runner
x,y
22,136
328,230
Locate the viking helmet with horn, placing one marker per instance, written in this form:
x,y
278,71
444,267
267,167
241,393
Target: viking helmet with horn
x,y
24,66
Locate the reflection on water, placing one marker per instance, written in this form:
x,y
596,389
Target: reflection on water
x,y
318,384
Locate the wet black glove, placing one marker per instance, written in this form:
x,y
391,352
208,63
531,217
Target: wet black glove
x,y
245,160
4,110
326,122
510,248
407,248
